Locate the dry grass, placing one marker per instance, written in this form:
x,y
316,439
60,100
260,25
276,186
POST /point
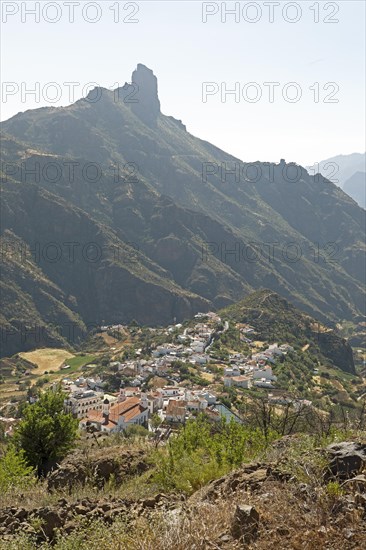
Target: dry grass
x,y
132,489
207,376
157,382
289,519
29,498
46,359
303,513
258,344
109,340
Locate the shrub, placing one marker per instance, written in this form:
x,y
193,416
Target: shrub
x,y
46,433
202,452
136,431
334,490
14,471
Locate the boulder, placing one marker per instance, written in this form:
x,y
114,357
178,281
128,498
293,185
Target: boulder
x,y
149,502
21,513
81,510
346,459
251,476
67,475
245,523
51,520
99,467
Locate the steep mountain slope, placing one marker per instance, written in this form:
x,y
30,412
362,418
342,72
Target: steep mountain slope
x,y
347,172
63,273
341,167
355,187
35,312
275,319
135,181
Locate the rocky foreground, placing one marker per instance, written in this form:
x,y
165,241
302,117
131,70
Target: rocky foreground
x,y
260,505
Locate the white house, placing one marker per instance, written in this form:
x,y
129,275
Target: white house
x,y
155,401
198,404
80,403
197,346
200,359
164,349
232,371
130,391
265,373
176,411
243,381
171,391
209,397
117,417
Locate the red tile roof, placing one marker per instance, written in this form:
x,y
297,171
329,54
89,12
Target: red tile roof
x,y
129,409
176,408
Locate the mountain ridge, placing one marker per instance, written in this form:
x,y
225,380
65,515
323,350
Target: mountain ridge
x,y
276,319
210,234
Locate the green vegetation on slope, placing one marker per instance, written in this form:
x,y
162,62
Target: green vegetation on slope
x,y
174,239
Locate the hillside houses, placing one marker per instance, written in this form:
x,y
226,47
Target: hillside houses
x,y
176,411
248,372
168,349
84,394
232,371
81,402
117,417
177,400
172,403
141,369
190,344
241,381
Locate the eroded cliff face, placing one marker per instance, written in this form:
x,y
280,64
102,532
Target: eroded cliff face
x,y
145,101
338,350
64,273
196,236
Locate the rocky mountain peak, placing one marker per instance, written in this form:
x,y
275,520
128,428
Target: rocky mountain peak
x,y
147,106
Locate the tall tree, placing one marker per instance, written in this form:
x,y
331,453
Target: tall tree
x,y
46,433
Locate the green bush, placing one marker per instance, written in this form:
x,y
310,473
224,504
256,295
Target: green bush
x,y
14,471
202,452
334,489
46,433
136,431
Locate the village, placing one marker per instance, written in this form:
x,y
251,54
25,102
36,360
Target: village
x,y
173,402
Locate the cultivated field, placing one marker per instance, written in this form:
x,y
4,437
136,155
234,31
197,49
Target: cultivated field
x,y
46,359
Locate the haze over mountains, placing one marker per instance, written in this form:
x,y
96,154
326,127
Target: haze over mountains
x,y
348,172
113,211
355,187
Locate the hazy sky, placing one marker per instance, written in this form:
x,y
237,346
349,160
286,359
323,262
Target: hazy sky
x,y
324,59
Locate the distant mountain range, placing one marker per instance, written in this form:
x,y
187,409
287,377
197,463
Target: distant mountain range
x,y
113,211
347,171
355,187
